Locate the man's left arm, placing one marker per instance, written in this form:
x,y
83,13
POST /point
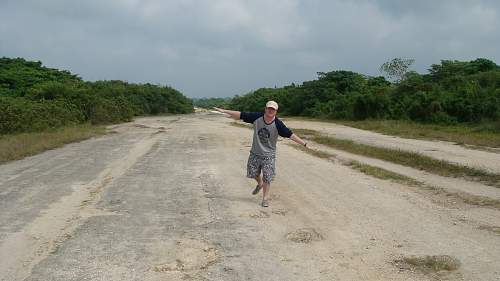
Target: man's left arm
x,y
287,133
298,140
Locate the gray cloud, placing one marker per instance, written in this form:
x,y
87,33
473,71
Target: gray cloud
x,y
227,47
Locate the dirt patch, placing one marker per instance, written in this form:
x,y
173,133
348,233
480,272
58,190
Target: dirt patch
x,y
273,197
159,132
281,212
304,235
259,215
190,255
141,126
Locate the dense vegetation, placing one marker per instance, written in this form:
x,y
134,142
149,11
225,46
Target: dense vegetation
x,y
452,92
35,98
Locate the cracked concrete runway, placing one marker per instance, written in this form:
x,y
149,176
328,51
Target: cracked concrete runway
x,y
166,198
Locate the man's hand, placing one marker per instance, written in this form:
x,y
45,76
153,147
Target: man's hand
x,y
231,113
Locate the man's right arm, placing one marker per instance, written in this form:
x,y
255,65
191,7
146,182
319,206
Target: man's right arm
x,y
233,114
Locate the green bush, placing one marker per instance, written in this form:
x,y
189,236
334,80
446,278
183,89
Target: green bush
x,y
24,115
35,98
451,92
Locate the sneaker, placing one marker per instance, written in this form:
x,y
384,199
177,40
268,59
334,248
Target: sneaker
x,y
256,190
265,203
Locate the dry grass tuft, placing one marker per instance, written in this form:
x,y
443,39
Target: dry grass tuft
x,y
18,146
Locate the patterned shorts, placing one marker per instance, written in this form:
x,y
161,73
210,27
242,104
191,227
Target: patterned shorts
x,y
257,163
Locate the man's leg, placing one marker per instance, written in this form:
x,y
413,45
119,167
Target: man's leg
x,y
265,188
259,180
268,173
259,184
253,171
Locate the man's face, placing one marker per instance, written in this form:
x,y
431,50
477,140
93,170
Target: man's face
x,y
270,112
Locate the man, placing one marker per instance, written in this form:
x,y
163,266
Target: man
x,y
262,157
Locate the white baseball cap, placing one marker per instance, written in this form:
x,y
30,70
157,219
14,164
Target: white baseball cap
x,y
272,104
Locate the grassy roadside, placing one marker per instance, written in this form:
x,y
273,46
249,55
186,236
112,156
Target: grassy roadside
x,y
406,158
438,193
383,174
317,153
478,136
434,263
18,146
445,195
437,267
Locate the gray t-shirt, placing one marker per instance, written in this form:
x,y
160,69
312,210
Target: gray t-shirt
x,y
265,135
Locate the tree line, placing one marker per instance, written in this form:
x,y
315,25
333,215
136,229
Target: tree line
x,y
451,92
36,98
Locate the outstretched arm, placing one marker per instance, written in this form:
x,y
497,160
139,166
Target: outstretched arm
x,y
287,133
298,140
233,114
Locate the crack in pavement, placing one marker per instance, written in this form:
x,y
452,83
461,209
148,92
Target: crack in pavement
x,y
22,250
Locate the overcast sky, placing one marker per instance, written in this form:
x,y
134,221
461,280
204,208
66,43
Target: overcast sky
x,y
220,48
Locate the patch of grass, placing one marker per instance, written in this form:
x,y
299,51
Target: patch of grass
x,y
440,194
456,197
494,229
383,174
433,263
479,200
406,158
474,135
317,153
477,135
18,146
307,133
